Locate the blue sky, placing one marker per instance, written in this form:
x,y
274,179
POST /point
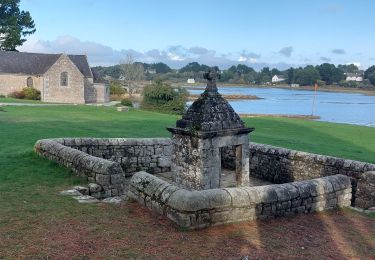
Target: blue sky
x,y
277,33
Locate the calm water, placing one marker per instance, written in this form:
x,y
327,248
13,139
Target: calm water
x,y
332,107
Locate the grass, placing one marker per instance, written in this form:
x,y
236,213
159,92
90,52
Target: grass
x,y
35,222
17,100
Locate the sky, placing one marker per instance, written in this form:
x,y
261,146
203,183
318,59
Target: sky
x,y
275,33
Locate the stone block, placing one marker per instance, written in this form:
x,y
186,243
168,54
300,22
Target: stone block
x,y
164,161
93,187
184,200
240,198
218,198
103,179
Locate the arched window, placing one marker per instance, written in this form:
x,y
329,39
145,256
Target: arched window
x,y
64,79
29,82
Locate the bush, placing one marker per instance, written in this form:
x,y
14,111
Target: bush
x,y
161,97
17,94
31,93
2,96
126,102
115,88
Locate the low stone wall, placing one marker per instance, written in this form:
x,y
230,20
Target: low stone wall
x,y
108,161
280,165
199,209
109,175
365,195
133,154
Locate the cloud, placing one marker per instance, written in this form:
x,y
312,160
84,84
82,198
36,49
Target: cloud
x,y
246,56
286,51
175,56
198,50
325,59
338,51
97,53
334,8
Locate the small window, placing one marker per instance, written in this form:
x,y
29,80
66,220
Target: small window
x,y
64,79
29,82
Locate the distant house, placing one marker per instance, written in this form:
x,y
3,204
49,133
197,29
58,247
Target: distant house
x,y
277,78
354,77
60,78
191,81
294,85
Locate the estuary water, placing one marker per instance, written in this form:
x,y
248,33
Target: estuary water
x,y
350,108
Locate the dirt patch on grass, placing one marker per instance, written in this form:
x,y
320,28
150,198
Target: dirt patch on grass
x,y
129,231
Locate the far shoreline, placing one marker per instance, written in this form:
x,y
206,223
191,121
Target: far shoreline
x,y
329,88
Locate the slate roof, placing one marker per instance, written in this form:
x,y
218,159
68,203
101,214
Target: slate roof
x,y
37,63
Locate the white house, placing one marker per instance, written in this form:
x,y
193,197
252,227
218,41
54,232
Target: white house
x,y
191,81
277,78
354,77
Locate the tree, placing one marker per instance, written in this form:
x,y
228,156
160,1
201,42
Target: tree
x,y
307,76
330,74
371,78
14,25
132,72
369,71
290,75
349,68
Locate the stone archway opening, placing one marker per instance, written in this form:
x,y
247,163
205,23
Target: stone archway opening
x,y
231,166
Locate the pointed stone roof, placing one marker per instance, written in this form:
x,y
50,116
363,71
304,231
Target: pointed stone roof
x,y
211,112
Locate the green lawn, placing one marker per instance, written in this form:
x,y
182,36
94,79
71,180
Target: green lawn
x,y
31,212
17,100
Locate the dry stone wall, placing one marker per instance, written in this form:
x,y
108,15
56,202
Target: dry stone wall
x,y
280,165
133,154
199,209
107,174
108,162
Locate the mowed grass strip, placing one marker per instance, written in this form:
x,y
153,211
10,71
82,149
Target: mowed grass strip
x,y
36,222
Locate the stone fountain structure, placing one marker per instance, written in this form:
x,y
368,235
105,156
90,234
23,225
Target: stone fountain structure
x,y
207,127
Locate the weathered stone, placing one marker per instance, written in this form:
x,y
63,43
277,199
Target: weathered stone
x,y
113,200
83,190
93,187
72,192
86,199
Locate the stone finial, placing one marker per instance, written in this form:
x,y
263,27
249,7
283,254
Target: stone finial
x,y
211,75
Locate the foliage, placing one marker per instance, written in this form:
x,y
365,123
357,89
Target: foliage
x,y
31,93
17,95
330,74
126,102
2,96
242,74
158,67
116,89
14,25
352,84
369,71
307,76
26,93
194,67
160,96
348,68
371,78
